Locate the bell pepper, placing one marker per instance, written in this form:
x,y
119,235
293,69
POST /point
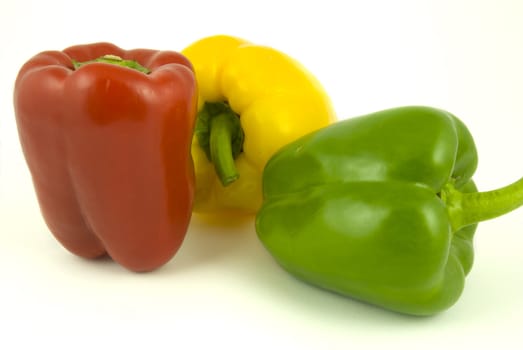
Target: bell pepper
x,y
381,208
106,134
252,100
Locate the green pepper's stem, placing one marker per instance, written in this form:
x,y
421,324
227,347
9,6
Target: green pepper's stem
x,y
112,59
221,148
220,135
470,208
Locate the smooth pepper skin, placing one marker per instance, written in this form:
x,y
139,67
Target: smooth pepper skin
x,y
108,148
357,208
276,100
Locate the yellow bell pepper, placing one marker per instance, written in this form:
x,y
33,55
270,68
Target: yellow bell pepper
x,y
252,101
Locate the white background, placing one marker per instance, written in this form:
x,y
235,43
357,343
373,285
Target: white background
x,y
222,289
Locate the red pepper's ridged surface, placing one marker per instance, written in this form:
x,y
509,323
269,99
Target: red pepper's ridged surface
x,y
108,149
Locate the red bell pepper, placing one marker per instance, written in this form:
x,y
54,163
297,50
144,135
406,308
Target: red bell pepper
x,y
108,147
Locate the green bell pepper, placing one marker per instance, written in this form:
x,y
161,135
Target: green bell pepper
x,y
381,208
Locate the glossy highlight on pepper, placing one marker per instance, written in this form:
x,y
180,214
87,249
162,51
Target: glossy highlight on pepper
x,y
108,146
381,208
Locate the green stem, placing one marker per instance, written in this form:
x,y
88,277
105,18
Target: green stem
x,y
221,149
112,59
220,135
470,208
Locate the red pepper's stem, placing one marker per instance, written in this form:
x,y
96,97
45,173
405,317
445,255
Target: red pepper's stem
x,y
220,135
470,208
112,59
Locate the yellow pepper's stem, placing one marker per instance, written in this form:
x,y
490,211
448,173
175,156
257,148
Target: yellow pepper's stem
x,y
221,149
220,135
